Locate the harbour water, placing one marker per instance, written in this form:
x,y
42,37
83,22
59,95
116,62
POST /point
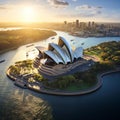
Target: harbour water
x,y
19,104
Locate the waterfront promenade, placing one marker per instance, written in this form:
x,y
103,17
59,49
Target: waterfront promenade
x,y
41,89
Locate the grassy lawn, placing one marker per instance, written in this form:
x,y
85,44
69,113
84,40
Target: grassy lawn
x,y
78,87
92,52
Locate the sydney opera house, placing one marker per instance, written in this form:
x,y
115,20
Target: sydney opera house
x,y
57,58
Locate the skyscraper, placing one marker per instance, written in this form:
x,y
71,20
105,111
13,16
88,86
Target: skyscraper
x,y
77,23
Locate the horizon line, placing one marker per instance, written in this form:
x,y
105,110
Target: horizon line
x,y
3,22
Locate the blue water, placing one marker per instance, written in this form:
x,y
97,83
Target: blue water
x,y
101,105
19,104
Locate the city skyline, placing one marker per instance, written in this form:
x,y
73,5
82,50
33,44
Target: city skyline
x,y
59,10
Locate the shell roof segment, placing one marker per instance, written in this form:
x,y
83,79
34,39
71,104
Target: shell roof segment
x,y
61,52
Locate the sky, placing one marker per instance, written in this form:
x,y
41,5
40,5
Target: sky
x,y
59,10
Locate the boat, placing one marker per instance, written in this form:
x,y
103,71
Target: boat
x,y
2,61
30,45
20,83
52,38
82,43
33,50
26,54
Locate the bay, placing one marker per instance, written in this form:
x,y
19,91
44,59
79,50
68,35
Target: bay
x,y
19,104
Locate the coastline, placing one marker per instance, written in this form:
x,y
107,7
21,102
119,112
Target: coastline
x,y
61,92
66,93
30,41
7,50
96,36
85,35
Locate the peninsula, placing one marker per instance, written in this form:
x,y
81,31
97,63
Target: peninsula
x,y
26,75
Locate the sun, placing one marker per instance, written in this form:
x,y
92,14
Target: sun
x,y
28,14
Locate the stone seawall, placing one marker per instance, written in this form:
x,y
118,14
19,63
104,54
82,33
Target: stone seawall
x,y
66,93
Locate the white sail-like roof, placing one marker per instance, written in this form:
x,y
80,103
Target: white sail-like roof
x,y
53,56
63,42
40,48
78,52
60,51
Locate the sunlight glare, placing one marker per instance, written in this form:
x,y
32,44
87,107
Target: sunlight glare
x,y
28,14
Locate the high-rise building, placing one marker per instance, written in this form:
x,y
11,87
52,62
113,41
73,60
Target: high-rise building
x,y
65,22
77,23
89,24
82,25
93,23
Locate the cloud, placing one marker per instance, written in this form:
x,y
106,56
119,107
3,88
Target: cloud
x,y
99,7
79,15
58,3
88,11
84,11
3,7
90,14
74,0
87,7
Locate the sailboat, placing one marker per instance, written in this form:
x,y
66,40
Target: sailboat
x,y
82,43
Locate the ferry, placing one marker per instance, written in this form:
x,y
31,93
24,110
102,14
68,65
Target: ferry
x,y
2,61
27,54
82,43
30,45
72,40
52,38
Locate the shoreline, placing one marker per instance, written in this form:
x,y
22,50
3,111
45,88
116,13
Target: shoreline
x,y
9,49
17,45
65,93
86,36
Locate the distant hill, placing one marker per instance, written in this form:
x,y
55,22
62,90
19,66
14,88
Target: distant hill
x,y
15,38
